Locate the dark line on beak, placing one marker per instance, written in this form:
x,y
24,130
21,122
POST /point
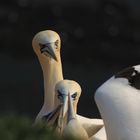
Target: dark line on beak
x,y
50,116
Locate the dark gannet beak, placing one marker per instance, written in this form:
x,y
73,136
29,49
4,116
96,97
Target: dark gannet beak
x,y
48,49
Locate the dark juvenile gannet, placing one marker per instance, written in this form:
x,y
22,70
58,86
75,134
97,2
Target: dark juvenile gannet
x,y
118,100
46,45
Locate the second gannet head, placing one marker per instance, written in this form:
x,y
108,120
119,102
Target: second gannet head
x,y
66,89
46,44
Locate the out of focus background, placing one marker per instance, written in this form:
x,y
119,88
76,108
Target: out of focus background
x,y
99,38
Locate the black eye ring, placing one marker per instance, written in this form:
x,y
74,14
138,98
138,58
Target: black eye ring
x,y
42,46
59,95
56,43
74,95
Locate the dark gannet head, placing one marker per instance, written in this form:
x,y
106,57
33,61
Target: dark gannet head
x,y
47,44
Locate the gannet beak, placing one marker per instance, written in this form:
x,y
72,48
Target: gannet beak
x,y
65,106
71,113
64,110
50,49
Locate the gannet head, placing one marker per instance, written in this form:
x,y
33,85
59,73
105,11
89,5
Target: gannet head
x,y
47,44
68,91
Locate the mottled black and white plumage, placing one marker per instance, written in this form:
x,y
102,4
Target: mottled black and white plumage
x,y
132,74
118,100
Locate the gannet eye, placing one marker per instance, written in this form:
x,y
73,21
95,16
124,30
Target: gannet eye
x,y
59,95
74,95
42,46
56,43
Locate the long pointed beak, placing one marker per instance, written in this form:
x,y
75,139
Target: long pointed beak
x,y
50,49
71,113
65,106
64,110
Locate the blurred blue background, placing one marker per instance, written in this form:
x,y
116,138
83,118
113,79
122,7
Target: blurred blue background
x,y
99,38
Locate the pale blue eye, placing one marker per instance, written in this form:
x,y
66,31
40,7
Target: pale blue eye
x,y
56,44
74,95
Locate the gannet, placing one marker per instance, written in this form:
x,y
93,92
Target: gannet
x,y
46,45
118,100
68,93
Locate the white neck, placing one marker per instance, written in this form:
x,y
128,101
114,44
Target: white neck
x,y
52,73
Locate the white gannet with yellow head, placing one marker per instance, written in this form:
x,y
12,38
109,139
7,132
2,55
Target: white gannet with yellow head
x,y
118,100
46,45
68,93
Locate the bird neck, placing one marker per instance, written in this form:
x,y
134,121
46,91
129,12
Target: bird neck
x,y
52,73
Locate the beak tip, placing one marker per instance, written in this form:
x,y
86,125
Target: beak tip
x,y
55,59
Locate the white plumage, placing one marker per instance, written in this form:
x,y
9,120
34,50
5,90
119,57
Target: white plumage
x,y
100,135
46,45
68,92
118,100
